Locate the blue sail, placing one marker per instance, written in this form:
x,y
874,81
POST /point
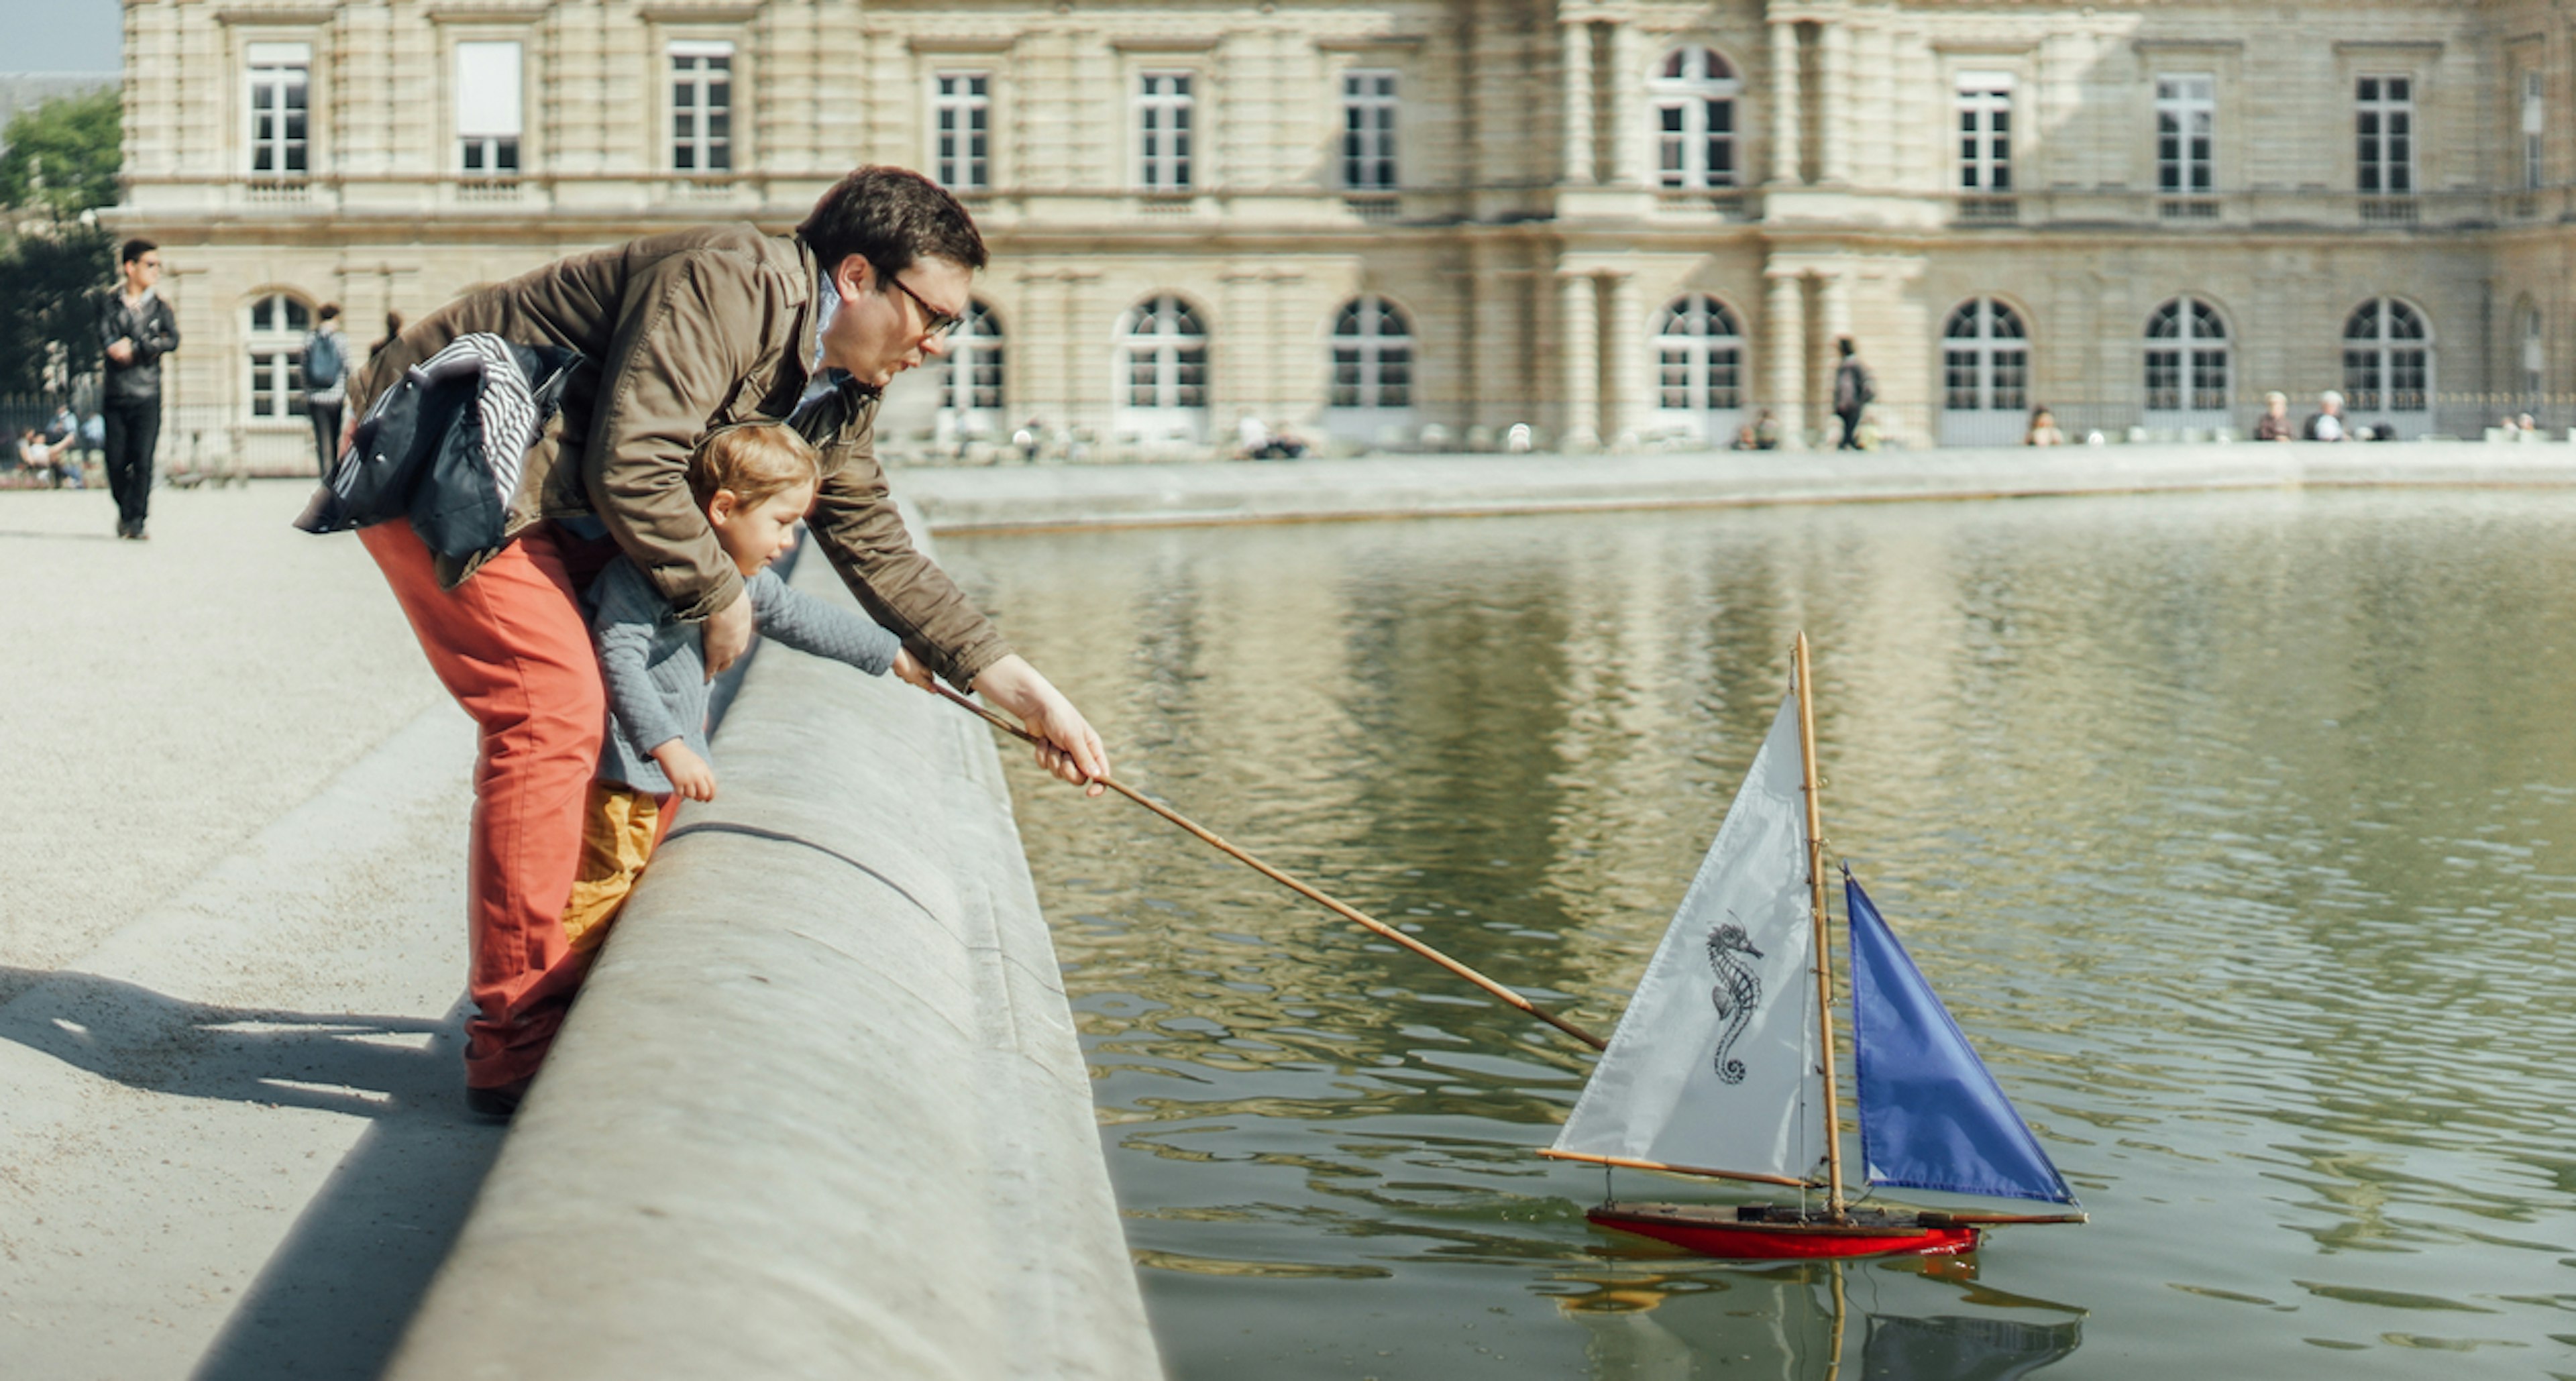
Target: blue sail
x,y
1931,1117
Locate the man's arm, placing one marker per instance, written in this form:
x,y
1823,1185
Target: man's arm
x,y
160,333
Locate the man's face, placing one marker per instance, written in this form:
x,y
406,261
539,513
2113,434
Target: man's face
x,y
144,271
881,329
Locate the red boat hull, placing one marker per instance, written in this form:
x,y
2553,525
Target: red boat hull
x,y
1722,1232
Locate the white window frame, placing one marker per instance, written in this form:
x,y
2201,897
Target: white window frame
x,y
694,69
490,124
1696,120
1700,363
2535,352
2197,402
1372,368
273,359
1985,374
2535,125
1166,128
277,87
2384,134
1371,107
1984,107
2384,358
971,388
1163,376
961,129
2186,134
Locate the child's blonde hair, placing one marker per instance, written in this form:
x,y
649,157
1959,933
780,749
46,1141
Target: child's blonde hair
x,y
755,462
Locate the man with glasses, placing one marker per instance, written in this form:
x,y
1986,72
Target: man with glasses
x,y
680,334
136,328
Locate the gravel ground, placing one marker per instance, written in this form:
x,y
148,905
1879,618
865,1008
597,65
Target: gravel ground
x,y
162,701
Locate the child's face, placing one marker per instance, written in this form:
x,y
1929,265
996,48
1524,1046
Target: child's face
x,y
756,534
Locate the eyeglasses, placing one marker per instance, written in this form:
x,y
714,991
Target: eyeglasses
x,y
935,323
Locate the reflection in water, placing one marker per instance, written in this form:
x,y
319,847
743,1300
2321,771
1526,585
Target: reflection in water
x,y
2239,833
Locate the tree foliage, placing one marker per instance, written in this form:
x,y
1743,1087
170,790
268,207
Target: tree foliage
x,y
61,162
63,154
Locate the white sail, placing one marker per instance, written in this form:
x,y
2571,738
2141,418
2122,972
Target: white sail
x,y
1714,1065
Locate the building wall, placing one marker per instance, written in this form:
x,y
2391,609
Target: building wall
x,y
1528,243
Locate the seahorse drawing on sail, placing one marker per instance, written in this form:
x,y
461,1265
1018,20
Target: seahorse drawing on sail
x,y
1738,991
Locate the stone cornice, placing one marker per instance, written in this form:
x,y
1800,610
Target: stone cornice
x,y
961,43
1363,43
1165,43
486,12
699,14
307,15
2390,47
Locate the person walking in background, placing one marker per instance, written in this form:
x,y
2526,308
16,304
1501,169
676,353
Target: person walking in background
x,y
136,328
1853,390
393,328
326,382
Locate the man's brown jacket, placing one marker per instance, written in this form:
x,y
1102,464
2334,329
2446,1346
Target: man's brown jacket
x,y
680,335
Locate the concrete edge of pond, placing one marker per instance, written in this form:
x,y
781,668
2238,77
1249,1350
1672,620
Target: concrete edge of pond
x,y
1009,496
820,1110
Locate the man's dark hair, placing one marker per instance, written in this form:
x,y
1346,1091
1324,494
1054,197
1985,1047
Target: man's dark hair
x,y
330,311
135,249
1843,344
890,217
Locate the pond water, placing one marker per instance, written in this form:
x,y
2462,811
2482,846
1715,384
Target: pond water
x,y
2238,831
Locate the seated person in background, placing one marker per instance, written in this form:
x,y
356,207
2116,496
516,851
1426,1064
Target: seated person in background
x,y
1766,431
2326,424
754,482
2043,429
1744,439
1867,436
2274,424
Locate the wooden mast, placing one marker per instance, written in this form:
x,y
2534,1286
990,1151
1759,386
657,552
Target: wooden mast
x,y
1824,953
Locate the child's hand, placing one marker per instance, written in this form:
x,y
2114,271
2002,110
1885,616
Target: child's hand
x,y
908,667
690,776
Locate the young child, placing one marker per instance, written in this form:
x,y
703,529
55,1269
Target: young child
x,y
754,483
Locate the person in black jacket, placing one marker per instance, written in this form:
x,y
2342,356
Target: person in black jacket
x,y
136,328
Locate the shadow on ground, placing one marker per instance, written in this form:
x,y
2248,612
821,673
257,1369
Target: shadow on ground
x,y
334,1298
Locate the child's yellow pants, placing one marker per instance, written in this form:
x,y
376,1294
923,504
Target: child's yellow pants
x,y
619,827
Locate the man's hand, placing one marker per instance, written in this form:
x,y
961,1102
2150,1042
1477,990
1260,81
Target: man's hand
x,y
1074,751
910,669
727,635
121,350
690,776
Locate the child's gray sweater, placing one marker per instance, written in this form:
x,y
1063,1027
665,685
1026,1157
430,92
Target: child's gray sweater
x,y
656,669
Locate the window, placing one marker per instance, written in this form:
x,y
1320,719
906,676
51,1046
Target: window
x,y
1699,356
1985,132
2535,357
487,108
278,323
1694,95
2384,116
961,117
701,107
1985,359
2186,359
2186,119
279,102
1368,131
2387,359
1372,356
1164,355
972,381
1163,131
2535,122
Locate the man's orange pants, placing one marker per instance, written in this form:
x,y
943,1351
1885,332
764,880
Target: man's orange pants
x,y
511,645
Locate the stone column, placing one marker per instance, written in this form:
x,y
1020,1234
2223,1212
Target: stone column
x,y
1786,105
1579,336
1833,111
1628,150
1578,103
1784,331
1625,418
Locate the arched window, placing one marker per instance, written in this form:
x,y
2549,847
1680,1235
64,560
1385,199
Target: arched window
x,y
2387,360
278,323
2535,352
1699,367
1372,356
970,383
1694,94
2187,382
1162,366
1985,374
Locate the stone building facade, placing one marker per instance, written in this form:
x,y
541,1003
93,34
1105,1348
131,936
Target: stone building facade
x,y
1623,222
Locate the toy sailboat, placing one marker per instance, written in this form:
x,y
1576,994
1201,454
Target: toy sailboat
x,y
1723,1064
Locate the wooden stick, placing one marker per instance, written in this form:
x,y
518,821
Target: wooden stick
x,y
1824,951
1629,1163
1345,911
